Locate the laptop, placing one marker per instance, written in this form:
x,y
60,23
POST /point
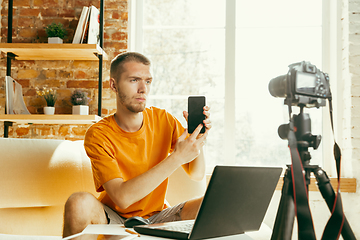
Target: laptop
x,y
235,202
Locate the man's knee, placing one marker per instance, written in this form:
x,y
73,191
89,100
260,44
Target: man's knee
x,y
79,205
78,200
82,209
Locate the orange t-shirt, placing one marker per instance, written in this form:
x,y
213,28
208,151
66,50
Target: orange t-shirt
x,y
115,153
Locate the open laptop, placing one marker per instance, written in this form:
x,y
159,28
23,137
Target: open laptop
x,y
235,202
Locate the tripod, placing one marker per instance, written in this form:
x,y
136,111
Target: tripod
x,y
285,216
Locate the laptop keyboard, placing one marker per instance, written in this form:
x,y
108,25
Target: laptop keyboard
x,y
186,227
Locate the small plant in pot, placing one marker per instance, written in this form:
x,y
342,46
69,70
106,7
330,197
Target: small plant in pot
x,y
55,32
79,101
50,97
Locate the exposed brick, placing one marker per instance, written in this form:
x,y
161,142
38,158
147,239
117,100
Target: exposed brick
x,y
119,36
80,75
27,32
85,64
30,18
25,83
49,12
124,16
26,22
30,92
27,73
48,83
116,5
21,3
82,84
21,131
65,74
22,64
29,12
38,3
116,45
79,130
54,64
115,15
50,73
64,130
50,3
44,130
67,13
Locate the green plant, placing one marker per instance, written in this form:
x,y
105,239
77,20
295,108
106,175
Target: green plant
x,y
49,96
78,98
55,30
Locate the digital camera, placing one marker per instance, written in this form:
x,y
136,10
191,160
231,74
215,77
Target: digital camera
x,y
304,84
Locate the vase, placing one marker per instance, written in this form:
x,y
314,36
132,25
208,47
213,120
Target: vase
x,y
80,110
55,40
49,110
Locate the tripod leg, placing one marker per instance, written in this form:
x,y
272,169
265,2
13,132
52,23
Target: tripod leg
x,y
285,215
328,194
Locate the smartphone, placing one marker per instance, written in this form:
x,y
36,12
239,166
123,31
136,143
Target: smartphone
x,y
196,116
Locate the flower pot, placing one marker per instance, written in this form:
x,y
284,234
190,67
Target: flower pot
x,y
49,110
55,40
80,110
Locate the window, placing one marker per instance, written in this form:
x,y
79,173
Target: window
x,y
229,51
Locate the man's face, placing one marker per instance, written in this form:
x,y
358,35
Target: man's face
x,y
133,86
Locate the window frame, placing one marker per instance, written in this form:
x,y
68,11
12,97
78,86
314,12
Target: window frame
x,y
331,60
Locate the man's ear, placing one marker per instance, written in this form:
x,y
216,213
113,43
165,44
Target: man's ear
x,y
112,83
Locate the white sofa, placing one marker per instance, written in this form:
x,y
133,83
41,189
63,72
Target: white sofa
x,y
37,177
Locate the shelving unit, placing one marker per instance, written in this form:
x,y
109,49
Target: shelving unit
x,y
45,51
50,119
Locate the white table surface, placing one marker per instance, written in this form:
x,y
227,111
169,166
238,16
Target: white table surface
x,y
114,229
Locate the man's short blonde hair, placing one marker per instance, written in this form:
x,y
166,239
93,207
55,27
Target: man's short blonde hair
x,y
116,67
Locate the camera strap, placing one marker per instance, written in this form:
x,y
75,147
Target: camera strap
x,y
335,224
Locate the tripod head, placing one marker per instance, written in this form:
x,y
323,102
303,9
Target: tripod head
x,y
304,137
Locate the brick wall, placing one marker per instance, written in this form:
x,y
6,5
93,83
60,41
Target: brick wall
x,y
29,19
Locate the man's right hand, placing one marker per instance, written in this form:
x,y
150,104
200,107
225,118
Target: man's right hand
x,y
189,148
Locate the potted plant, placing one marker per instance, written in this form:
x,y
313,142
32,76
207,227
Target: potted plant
x,y
50,97
79,101
55,32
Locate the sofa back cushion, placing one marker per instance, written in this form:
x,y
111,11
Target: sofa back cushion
x,y
42,172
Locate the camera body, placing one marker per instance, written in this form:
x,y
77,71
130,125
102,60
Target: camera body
x,y
305,83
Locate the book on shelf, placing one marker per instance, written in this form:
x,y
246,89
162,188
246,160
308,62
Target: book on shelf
x,y
14,98
94,26
87,30
81,25
86,27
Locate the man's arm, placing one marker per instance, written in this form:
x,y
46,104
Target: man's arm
x,y
196,168
126,193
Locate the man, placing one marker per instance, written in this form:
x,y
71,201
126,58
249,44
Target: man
x,y
133,152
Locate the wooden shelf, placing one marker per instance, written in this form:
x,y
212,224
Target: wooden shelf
x,y
50,119
45,51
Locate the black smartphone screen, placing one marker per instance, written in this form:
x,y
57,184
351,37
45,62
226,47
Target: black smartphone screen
x,y
196,116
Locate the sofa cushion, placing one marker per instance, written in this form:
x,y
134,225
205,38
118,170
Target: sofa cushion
x,y
40,172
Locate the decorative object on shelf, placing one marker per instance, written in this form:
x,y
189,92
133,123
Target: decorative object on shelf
x,y
79,101
14,102
55,32
49,110
50,98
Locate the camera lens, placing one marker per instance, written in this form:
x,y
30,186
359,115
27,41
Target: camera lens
x,y
277,86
